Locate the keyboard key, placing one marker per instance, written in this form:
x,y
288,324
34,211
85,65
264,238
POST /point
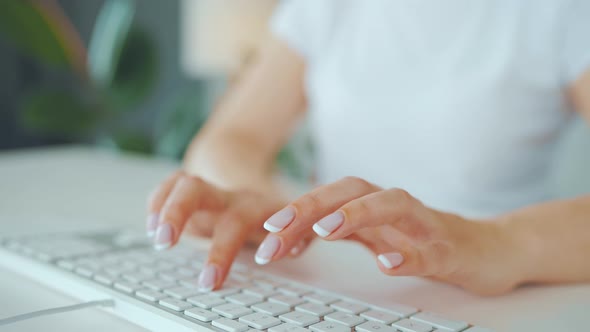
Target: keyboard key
x,y
206,301
244,299
104,279
181,292
349,307
84,271
260,321
232,310
117,270
344,318
137,277
174,304
201,314
314,309
230,325
225,291
270,308
293,290
150,295
299,318
287,327
374,327
66,264
262,292
159,284
268,283
174,275
187,272
327,326
190,282
320,298
408,325
401,310
440,322
380,316
127,287
291,301
239,277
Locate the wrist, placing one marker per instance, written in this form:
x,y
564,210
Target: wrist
x,y
521,247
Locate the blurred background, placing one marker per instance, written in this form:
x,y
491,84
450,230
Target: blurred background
x,y
126,75
142,76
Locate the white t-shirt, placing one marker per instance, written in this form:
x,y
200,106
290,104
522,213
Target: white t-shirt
x,y
460,102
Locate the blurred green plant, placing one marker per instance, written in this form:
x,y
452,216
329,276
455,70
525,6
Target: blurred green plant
x,y
113,76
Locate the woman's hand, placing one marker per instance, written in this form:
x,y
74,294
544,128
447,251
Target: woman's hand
x,y
231,218
407,238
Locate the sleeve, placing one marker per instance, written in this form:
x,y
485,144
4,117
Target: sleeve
x,y
302,24
576,41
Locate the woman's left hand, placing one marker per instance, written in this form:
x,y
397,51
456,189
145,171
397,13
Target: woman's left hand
x,y
407,238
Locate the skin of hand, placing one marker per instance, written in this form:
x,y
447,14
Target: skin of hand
x,y
231,218
406,237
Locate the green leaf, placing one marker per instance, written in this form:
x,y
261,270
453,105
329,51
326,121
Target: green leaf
x,y
136,72
111,29
179,123
58,113
133,141
41,30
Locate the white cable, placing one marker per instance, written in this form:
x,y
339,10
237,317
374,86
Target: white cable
x,y
53,311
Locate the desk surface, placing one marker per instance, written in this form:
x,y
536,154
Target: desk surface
x,y
78,188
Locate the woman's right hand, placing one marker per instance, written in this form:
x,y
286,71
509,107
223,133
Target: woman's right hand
x,y
231,218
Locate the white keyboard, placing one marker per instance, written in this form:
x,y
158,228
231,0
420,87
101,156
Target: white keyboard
x,y
158,290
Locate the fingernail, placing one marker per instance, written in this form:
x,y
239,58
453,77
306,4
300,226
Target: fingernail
x,y
280,220
267,249
152,224
328,224
207,278
163,238
391,260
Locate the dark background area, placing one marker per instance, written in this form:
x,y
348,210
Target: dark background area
x,y
21,74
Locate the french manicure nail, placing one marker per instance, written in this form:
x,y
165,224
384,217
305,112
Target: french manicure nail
x,y
328,224
391,260
207,278
152,224
278,221
163,238
268,248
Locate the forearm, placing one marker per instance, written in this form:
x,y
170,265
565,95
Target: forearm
x,y
237,147
230,160
552,240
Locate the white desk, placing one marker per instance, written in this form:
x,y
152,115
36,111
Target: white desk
x,y
75,188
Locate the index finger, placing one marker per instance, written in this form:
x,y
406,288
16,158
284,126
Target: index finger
x,y
190,194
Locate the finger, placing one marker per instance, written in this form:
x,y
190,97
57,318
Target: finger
x,y
202,223
156,200
229,236
398,255
293,222
189,195
393,207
